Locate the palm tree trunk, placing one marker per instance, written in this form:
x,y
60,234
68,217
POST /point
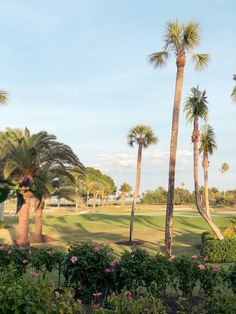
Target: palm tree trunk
x,y
2,211
137,187
202,212
94,201
205,164
180,62
23,231
122,199
39,222
87,199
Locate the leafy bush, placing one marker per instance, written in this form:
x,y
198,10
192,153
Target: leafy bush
x,y
90,268
46,260
222,302
30,294
133,303
219,251
3,225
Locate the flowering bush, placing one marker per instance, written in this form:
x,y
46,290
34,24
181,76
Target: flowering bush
x,y
90,268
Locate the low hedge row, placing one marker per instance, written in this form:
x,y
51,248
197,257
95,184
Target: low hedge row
x,y
218,251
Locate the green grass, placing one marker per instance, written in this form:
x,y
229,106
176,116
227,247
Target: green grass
x,y
111,224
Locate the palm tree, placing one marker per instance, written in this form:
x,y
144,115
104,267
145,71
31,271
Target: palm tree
x,y
223,169
125,189
233,95
142,136
180,39
24,157
3,101
195,108
207,147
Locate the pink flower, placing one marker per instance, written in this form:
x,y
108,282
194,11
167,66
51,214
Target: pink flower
x,y
25,261
169,260
113,263
201,266
51,282
206,259
128,294
49,252
107,270
97,248
97,294
2,247
96,306
214,270
74,259
109,253
9,252
194,257
33,274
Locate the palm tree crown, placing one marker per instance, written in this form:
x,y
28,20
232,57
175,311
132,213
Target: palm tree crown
x,y
141,135
224,167
180,39
195,105
208,140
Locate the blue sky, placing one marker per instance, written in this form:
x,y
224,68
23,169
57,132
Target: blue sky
x,y
79,70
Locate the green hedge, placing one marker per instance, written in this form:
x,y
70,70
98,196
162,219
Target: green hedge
x,y
218,251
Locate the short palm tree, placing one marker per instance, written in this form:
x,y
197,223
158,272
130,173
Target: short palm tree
x,y
3,97
143,137
207,147
233,95
24,158
179,40
125,189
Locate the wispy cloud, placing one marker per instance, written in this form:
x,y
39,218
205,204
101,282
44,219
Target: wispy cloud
x,y
125,161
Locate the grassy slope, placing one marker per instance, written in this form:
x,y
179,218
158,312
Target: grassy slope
x,y
111,224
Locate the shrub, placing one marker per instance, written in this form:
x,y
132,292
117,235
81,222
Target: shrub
x,y
31,294
223,302
219,251
130,303
3,225
90,268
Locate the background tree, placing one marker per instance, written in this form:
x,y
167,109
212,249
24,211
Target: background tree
x,y
125,190
233,95
195,108
143,137
179,40
207,147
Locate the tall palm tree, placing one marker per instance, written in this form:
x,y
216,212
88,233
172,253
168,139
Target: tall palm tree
x,y
125,189
223,169
195,108
179,40
207,147
3,101
233,95
143,137
24,156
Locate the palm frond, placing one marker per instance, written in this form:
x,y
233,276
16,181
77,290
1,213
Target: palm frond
x,y
141,134
200,61
3,97
190,36
233,95
159,59
173,36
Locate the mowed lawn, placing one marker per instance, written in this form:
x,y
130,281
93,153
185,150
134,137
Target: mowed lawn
x,y
110,224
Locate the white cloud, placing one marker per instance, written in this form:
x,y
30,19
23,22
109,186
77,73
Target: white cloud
x,y
127,161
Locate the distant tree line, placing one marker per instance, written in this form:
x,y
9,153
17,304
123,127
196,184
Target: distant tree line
x,y
184,196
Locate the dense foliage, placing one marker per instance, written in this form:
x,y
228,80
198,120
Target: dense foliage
x,y
94,279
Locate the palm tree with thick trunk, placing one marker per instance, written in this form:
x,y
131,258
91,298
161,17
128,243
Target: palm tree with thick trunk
x,y
207,147
180,39
25,157
143,137
233,95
